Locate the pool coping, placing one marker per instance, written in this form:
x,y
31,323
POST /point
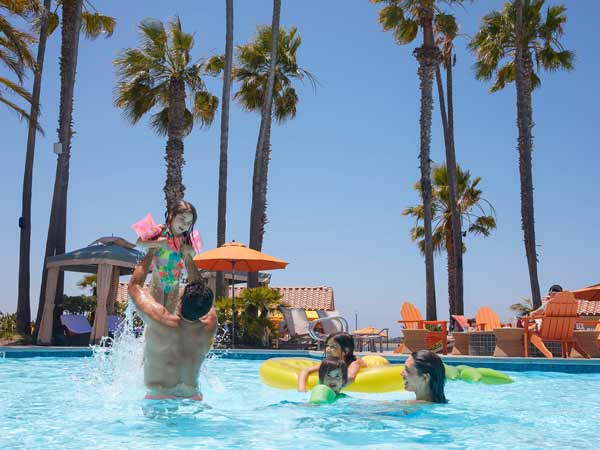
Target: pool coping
x,y
570,365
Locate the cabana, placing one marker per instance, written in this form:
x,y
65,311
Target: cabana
x,y
109,258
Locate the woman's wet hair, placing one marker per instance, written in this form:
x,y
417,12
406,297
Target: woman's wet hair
x,y
346,343
196,301
331,364
427,362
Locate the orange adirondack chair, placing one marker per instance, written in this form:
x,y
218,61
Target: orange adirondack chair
x,y
486,320
412,319
558,324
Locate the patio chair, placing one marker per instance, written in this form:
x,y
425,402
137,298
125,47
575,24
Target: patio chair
x,y
330,326
297,324
413,320
77,329
459,323
486,320
558,325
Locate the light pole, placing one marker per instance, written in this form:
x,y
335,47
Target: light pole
x,y
355,320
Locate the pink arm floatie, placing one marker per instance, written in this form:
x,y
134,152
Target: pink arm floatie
x,y
147,229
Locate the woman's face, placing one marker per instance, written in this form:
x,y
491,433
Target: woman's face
x,y
333,379
333,350
413,381
181,223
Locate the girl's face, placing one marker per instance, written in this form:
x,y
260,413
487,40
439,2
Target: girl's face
x,y
334,350
181,223
413,381
333,379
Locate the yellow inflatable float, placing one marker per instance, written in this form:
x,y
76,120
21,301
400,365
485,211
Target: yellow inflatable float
x,y
378,376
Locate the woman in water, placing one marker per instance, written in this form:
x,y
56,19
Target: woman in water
x,y
338,345
424,374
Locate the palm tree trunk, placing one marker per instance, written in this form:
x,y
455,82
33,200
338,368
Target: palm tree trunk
x,y
453,191
428,56
524,69
23,302
451,272
56,240
174,188
257,213
222,207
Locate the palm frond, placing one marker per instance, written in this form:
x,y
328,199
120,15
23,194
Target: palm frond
x,y
205,107
94,25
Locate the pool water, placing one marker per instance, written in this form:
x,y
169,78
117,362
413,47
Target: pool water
x,y
81,403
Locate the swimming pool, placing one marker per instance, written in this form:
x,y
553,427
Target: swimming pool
x,y
97,403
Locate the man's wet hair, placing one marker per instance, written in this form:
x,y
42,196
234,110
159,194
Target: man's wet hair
x,y
196,301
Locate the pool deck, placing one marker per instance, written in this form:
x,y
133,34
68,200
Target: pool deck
x,y
571,365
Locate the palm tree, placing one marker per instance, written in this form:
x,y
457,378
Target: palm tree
x,y
446,29
15,54
523,307
471,206
253,71
225,102
506,45
258,209
160,73
74,20
405,18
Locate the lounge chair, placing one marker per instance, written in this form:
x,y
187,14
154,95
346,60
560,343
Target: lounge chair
x,y
558,325
77,329
487,320
413,320
114,323
297,324
329,324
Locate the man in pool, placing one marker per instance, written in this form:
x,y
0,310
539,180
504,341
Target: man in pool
x,y
176,344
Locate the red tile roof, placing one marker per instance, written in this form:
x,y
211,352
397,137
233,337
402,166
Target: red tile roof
x,y
320,297
588,308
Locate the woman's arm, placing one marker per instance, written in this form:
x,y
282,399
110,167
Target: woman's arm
x,y
353,370
303,377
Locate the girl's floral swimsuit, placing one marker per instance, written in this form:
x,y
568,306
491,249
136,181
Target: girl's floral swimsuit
x,y
167,266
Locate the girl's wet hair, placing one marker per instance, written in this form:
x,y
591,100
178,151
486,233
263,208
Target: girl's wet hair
x,y
181,208
427,362
346,343
331,364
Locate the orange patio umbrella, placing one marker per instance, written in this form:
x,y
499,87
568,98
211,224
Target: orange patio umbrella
x,y
235,256
590,293
369,331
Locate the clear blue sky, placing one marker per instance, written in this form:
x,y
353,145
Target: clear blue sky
x,y
341,172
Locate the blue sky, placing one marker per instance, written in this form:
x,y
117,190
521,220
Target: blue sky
x,y
341,172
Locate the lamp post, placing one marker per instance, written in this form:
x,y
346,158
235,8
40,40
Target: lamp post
x,y
355,320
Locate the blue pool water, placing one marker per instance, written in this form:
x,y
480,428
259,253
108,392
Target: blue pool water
x,y
96,402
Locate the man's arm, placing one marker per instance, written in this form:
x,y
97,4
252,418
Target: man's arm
x,y
194,275
145,303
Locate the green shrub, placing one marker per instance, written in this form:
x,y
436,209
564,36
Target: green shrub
x,y
8,325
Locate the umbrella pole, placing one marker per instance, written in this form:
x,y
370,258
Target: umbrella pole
x,y
232,304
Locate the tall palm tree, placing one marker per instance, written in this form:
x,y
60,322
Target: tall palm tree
x,y
471,206
446,29
160,73
405,18
507,45
253,71
15,54
258,209
225,102
75,18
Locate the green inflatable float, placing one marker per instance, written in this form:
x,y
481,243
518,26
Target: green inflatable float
x,y
476,375
322,394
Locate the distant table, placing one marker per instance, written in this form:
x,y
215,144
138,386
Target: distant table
x,y
509,341
461,343
414,340
588,339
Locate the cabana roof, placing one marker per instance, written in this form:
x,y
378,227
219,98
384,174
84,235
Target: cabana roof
x,y
107,250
